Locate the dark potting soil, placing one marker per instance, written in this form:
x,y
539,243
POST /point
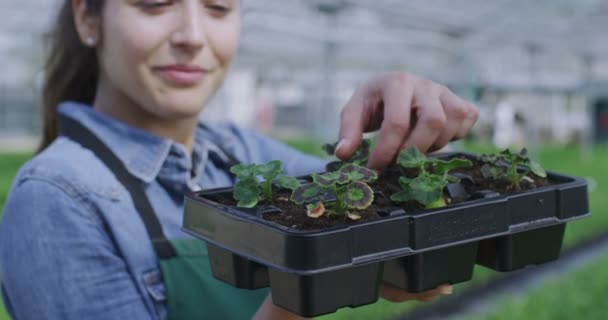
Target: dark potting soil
x,y
502,186
388,183
294,216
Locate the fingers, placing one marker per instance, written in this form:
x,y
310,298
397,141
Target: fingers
x,y
395,294
397,93
431,119
353,120
440,117
461,116
409,111
470,120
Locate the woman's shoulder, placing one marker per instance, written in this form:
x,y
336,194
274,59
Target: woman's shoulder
x,y
68,166
62,185
247,144
250,146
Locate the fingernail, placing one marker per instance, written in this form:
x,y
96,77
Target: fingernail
x,y
446,290
341,144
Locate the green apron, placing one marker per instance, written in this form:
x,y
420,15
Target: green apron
x,y
192,291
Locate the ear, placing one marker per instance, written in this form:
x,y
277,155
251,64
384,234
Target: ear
x,y
87,25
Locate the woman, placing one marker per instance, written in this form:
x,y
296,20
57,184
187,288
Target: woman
x,y
91,229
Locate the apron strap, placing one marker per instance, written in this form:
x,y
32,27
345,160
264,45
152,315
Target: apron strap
x,y
219,155
79,133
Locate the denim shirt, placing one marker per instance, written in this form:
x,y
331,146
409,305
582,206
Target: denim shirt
x,y
72,245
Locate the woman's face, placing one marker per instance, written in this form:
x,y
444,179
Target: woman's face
x,y
168,56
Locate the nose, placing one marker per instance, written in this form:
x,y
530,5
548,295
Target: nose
x,y
190,31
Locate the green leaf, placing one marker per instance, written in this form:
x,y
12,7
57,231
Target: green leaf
x,y
427,189
411,158
405,193
329,179
244,171
489,158
537,169
404,182
402,196
424,189
522,157
358,195
523,152
330,148
270,170
356,172
506,153
363,152
306,193
442,166
514,158
247,193
336,165
492,172
439,203
288,182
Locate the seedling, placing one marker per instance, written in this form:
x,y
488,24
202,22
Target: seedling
x,y
427,187
348,185
360,157
504,165
249,190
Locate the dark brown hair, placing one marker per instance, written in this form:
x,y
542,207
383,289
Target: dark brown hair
x,y
71,70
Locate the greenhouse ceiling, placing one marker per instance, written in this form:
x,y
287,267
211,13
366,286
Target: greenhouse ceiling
x,y
500,41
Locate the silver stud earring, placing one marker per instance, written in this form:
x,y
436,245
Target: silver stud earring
x,y
90,41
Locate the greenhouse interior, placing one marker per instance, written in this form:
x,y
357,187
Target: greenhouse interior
x,y
537,71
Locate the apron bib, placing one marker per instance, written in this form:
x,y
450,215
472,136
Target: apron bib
x,y
195,294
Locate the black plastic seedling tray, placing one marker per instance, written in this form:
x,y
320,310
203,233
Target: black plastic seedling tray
x,y
317,272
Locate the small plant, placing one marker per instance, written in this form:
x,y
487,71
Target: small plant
x,y
427,187
249,190
360,157
504,165
348,185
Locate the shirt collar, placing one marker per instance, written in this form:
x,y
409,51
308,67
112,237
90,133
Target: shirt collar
x,y
143,153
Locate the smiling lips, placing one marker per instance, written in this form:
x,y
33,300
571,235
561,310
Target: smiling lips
x,y
181,74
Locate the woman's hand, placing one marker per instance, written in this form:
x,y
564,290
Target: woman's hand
x,y
268,311
394,294
409,111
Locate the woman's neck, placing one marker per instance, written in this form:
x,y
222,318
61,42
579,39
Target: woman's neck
x,y
120,107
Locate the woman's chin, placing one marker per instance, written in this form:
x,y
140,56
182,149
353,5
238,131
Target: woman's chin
x,y
182,112
181,108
